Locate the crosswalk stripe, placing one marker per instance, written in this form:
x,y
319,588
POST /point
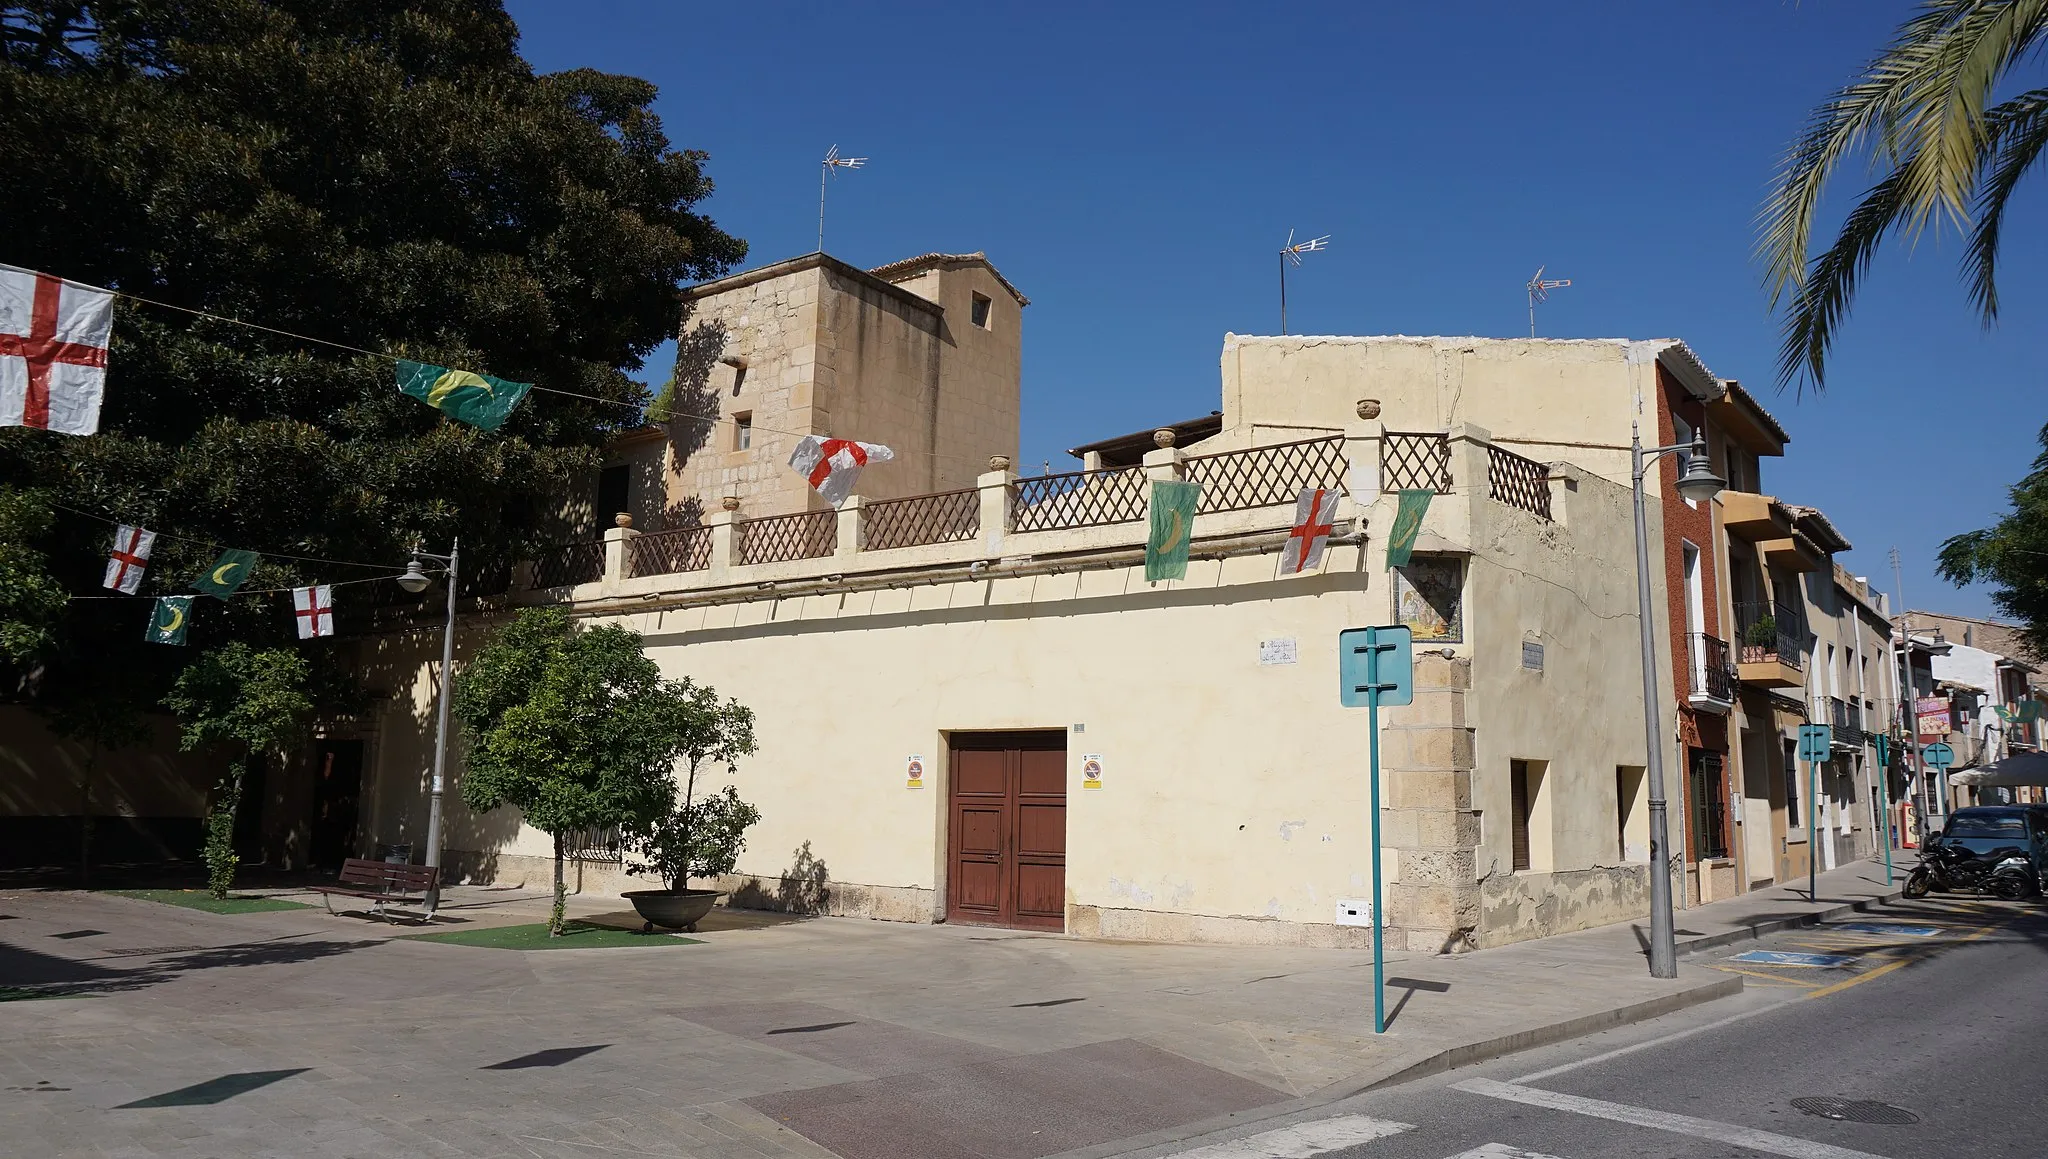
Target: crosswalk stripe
x,y
1302,1140
1500,1151
1745,1137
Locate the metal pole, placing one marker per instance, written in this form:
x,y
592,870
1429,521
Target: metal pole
x,y
1909,735
1812,831
1663,938
824,171
441,732
1379,960
1283,293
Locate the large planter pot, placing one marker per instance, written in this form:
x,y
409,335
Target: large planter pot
x,y
672,909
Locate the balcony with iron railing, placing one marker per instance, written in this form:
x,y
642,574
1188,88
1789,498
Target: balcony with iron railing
x,y
1770,636
1847,721
1711,667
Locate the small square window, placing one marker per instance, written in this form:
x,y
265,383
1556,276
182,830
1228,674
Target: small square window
x,y
743,431
978,313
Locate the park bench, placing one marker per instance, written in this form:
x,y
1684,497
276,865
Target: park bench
x,y
384,883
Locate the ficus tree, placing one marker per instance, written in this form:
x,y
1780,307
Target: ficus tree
x,y
388,176
702,835
575,727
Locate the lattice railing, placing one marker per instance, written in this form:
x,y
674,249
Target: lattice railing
x,y
568,564
1415,462
1078,499
666,552
947,517
599,843
1265,476
779,538
1518,482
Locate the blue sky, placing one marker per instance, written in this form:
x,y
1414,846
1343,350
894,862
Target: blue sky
x,y
1134,169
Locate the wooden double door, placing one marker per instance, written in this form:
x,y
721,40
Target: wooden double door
x,y
1008,830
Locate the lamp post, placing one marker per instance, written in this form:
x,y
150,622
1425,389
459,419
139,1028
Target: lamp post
x,y
415,580
1698,483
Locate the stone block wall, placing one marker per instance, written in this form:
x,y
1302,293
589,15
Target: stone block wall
x,y
1428,830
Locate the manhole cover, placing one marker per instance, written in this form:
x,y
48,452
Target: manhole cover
x,y
1857,1111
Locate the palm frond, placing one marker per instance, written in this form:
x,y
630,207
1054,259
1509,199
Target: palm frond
x,y
2019,130
1943,135
1822,300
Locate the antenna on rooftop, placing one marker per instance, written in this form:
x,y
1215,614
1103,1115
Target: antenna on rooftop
x,y
1290,254
832,164
1539,291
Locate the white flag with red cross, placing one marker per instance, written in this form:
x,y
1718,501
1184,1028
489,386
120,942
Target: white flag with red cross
x,y
53,351
129,558
314,609
832,465
1315,517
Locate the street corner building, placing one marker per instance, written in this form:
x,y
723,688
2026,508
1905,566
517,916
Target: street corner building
x,y
974,707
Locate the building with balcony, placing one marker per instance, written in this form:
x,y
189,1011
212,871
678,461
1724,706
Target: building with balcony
x,y
1985,672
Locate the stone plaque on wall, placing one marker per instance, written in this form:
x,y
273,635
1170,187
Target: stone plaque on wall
x,y
1429,598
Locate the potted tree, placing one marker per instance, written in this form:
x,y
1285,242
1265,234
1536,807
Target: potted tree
x,y
698,837
1760,640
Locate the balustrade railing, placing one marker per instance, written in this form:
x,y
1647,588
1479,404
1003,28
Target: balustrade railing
x,y
569,564
1518,481
1265,476
1415,462
666,552
779,538
1078,499
947,517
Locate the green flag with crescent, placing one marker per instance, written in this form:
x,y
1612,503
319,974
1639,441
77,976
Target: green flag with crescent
x,y
477,399
1407,526
228,572
168,622
1173,525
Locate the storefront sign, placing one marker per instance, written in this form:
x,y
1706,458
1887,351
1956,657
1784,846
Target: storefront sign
x,y
913,773
1091,770
1931,716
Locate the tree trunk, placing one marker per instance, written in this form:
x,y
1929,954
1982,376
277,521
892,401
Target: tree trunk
x,y
555,915
220,833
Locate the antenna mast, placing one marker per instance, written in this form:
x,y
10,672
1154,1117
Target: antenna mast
x,y
1539,291
1291,254
832,164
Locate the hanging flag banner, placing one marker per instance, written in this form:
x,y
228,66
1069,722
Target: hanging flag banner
x,y
1173,525
476,399
832,465
53,351
228,572
168,622
313,608
129,558
1315,517
1407,526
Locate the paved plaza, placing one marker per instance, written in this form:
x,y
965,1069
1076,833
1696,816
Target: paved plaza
x,y
143,1029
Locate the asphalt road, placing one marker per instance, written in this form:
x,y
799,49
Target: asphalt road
x,y
1937,1009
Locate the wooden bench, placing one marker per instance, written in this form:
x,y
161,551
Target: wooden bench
x,y
384,883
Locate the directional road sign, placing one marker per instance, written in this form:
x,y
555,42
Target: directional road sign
x,y
1814,741
1396,668
1939,755
1884,749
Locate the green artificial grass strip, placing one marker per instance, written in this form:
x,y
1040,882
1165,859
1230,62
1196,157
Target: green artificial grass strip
x,y
575,936
28,994
202,900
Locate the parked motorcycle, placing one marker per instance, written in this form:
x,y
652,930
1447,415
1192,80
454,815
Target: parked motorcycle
x,y
1950,868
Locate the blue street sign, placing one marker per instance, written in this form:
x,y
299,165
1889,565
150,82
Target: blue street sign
x,y
1815,741
1789,958
1396,648
1939,755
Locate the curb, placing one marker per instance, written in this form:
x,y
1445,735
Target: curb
x,y
1750,933
1450,1058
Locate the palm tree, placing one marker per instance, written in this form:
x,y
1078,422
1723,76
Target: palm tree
x,y
1919,112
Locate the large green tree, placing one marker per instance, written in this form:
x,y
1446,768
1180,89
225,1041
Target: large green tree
x,y
1923,114
389,176
2011,555
577,728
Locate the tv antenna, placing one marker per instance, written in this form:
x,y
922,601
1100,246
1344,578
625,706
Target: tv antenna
x,y
832,164
1291,255
1539,291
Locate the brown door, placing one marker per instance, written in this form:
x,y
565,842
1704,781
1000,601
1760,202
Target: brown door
x,y
1008,830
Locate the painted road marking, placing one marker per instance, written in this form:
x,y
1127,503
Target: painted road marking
x,y
1747,1138
1500,1151
1790,958
1883,928
1780,981
1301,1140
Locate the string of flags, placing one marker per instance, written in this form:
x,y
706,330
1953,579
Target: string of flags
x,y
128,560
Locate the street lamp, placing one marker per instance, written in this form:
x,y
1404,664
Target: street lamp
x,y
1696,484
416,580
